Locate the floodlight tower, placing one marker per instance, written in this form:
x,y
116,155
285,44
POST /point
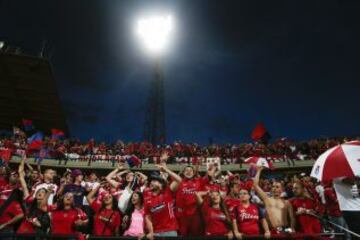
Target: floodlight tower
x,y
155,33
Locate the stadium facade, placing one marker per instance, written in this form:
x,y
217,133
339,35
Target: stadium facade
x,y
28,91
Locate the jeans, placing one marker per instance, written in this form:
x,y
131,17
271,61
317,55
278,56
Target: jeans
x,y
352,218
341,222
166,234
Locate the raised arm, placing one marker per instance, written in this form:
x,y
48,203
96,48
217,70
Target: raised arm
x,y
264,197
200,197
22,178
91,196
113,173
142,177
177,179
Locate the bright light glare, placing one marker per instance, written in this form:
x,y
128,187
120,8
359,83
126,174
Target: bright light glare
x,y
155,32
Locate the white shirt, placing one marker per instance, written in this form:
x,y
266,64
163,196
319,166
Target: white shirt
x,y
46,186
347,200
91,185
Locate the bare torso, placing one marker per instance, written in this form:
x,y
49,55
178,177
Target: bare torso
x,y
277,212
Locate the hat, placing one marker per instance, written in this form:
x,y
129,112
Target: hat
x,y
76,172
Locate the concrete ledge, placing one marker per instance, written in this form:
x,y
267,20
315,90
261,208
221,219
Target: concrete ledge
x,y
306,165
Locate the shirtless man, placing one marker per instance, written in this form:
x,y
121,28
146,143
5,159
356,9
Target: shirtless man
x,y
280,214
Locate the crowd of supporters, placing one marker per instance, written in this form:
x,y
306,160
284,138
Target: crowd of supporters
x,y
163,203
73,149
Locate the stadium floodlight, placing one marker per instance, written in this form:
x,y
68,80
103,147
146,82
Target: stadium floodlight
x,y
155,33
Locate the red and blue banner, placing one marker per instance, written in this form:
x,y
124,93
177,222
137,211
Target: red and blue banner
x,y
28,125
35,141
133,161
57,134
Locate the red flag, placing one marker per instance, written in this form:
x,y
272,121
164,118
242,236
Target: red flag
x,y
5,154
260,132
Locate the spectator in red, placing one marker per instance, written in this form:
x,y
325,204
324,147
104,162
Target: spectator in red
x,y
215,214
187,211
160,218
66,219
247,217
305,209
37,217
107,218
232,200
133,221
11,183
333,210
11,212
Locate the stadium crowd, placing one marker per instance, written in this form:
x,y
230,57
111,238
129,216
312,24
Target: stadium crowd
x,y
164,203
73,149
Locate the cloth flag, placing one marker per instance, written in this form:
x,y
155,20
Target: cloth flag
x,y
133,161
260,133
28,125
35,141
57,134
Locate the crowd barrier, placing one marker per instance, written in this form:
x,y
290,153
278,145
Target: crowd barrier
x,y
296,236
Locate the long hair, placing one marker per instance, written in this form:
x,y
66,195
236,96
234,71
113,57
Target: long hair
x,y
114,205
131,208
224,209
33,205
60,203
133,185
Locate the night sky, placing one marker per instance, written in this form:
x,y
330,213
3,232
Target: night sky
x,y
293,65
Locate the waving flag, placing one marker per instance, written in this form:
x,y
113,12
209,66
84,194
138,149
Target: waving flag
x,y
260,133
56,133
133,161
28,125
35,141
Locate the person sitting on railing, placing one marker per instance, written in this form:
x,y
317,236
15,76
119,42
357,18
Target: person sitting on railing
x,y
215,214
107,218
247,217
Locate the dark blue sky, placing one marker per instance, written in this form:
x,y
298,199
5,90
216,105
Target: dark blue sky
x,y
292,64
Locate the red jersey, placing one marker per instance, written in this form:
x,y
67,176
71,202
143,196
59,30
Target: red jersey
x,y
248,219
5,192
231,204
101,227
160,207
332,204
215,220
63,221
306,223
185,196
211,187
10,212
